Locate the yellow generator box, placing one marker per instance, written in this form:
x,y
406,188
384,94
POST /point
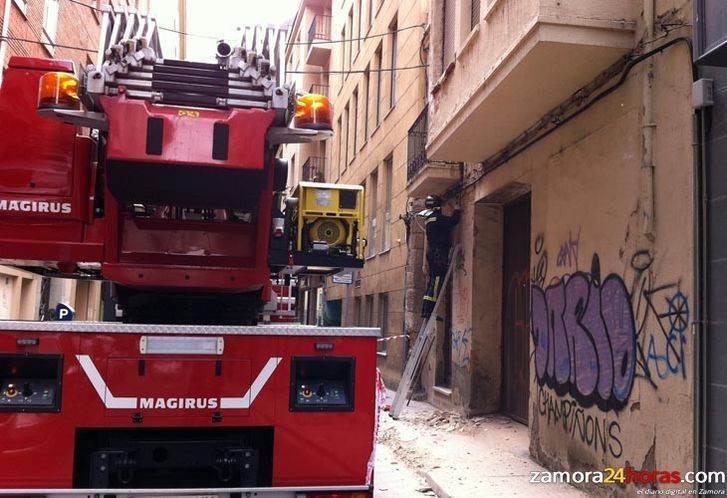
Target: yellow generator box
x,y
329,219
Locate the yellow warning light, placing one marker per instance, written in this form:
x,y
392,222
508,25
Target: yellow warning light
x,y
58,91
313,112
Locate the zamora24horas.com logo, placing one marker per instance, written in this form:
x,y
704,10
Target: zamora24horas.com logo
x,y
629,475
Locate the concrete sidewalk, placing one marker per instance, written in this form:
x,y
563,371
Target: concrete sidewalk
x,y
466,458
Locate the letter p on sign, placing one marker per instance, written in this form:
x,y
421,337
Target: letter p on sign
x,y
64,312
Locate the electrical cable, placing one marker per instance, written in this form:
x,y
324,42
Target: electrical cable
x,y
360,71
367,37
38,42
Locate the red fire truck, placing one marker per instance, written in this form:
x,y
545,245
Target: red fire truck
x,y
161,176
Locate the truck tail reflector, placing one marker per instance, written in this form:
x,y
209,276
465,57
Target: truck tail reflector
x,y
313,112
58,90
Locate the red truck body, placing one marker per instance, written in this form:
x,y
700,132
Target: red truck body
x,y
100,371
176,205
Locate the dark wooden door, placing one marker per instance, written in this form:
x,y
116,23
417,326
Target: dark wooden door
x,y
516,310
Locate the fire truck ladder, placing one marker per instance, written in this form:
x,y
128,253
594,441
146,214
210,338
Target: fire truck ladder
x,y
129,61
422,346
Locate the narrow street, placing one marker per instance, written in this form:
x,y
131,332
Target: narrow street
x,y
432,453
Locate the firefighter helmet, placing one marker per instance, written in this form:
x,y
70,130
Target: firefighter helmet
x,y
433,202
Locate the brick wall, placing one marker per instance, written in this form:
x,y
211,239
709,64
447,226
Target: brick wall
x,y
78,26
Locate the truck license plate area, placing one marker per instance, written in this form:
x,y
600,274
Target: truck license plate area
x,y
190,458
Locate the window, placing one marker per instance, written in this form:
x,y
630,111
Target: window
x,y
359,33
373,210
369,14
383,320
366,82
339,134
474,14
392,72
355,122
388,181
22,5
370,310
357,315
350,43
448,23
343,52
50,23
346,123
377,62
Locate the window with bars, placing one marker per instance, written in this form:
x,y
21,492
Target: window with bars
x,y
449,11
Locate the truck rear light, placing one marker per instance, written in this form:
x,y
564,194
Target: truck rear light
x,y
58,91
313,112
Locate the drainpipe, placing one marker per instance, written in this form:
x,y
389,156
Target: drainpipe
x,y
648,128
4,41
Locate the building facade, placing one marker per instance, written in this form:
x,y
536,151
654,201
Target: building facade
x,y
378,90
365,55
564,130
58,29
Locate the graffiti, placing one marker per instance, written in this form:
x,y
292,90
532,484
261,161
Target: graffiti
x,y
461,340
596,432
584,336
670,359
568,252
541,267
665,310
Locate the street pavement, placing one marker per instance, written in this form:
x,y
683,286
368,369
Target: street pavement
x,y
427,449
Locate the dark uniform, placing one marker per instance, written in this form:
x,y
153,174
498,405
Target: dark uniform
x,y
438,229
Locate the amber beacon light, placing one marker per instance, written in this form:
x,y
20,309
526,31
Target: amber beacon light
x,y
313,112
58,91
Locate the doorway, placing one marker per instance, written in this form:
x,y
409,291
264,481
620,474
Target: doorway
x,y
516,309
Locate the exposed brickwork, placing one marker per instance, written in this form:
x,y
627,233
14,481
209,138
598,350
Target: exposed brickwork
x,y
78,26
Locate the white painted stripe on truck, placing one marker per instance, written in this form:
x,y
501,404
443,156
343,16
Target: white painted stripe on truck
x,y
108,399
255,388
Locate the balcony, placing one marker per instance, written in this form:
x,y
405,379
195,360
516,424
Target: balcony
x,y
425,177
314,169
319,38
319,90
526,58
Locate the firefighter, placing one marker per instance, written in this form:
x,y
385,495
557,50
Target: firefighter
x,y
438,230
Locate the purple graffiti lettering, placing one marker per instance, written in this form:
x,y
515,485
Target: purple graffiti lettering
x,y
585,339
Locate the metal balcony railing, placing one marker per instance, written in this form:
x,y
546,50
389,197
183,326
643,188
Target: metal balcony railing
x,y
320,29
319,89
314,169
417,145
